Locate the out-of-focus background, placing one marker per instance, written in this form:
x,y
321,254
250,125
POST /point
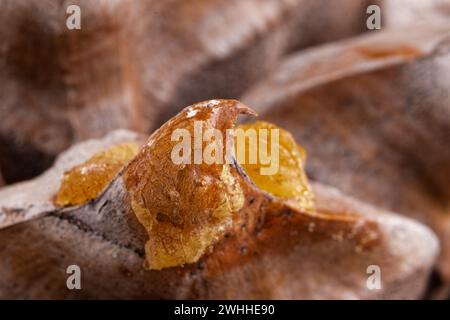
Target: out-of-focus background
x,y
362,85
133,64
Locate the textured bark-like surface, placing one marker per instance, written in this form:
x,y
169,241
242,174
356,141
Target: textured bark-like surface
x,y
270,249
135,63
31,199
375,119
290,257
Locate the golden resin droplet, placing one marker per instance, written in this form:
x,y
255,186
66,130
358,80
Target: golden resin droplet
x,y
289,182
190,225
86,181
185,208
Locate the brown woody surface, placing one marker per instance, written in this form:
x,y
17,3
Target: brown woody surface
x,y
134,64
372,112
270,250
375,119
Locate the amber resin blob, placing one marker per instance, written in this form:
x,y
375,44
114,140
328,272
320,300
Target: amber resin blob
x,y
287,179
86,181
187,207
